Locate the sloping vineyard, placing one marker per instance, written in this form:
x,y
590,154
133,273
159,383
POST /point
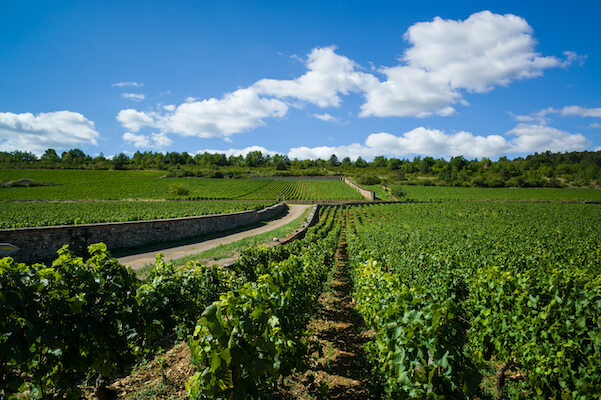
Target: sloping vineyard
x,y
459,291
119,185
26,214
75,318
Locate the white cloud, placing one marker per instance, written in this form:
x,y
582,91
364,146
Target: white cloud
x,y
155,141
525,138
325,117
536,138
410,91
235,112
572,57
169,107
485,50
567,111
329,76
352,151
581,111
139,141
36,133
448,56
133,96
445,59
160,140
239,152
595,125
127,84
135,120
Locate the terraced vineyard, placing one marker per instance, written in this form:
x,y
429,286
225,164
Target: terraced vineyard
x,y
104,193
118,185
28,214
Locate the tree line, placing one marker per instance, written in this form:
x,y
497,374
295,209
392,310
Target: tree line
x,y
537,170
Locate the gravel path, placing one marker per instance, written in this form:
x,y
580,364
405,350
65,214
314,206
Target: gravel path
x,y
137,261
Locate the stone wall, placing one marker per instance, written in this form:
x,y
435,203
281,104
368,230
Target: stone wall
x,y
41,243
368,194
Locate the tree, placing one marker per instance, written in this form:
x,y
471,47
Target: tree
x,y
394,163
254,159
361,163
333,161
50,156
380,161
120,161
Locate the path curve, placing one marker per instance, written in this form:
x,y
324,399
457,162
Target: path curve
x,y
137,261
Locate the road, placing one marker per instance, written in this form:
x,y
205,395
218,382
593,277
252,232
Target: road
x,y
137,261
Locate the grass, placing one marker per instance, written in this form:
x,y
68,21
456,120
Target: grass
x,y
230,249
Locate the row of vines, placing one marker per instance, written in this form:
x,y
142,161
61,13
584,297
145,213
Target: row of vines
x,y
29,214
78,319
462,296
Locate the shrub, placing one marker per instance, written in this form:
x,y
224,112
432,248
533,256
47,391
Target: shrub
x,y
369,180
179,189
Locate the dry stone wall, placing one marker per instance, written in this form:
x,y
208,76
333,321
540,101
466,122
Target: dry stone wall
x,y
42,243
368,194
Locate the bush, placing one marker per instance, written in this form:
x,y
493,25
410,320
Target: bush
x,y
179,189
369,180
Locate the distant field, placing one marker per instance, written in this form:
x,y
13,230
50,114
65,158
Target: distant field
x,y
117,185
26,214
533,194
80,196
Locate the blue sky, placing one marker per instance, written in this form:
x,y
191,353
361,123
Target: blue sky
x,y
479,79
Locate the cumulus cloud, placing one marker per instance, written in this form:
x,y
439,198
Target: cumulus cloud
x,y
239,152
485,50
157,141
134,120
444,60
410,91
329,75
127,84
139,141
235,112
133,96
325,117
36,133
531,138
447,57
524,138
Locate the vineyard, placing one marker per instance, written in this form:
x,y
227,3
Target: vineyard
x,y
78,319
77,197
119,185
460,300
455,290
26,214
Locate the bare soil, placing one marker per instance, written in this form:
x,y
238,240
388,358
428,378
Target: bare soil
x,y
337,366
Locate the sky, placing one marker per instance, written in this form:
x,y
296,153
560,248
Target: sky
x,y
306,79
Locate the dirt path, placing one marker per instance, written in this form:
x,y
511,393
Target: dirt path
x,y
137,261
338,367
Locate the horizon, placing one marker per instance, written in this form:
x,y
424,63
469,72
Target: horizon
x,y
502,80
